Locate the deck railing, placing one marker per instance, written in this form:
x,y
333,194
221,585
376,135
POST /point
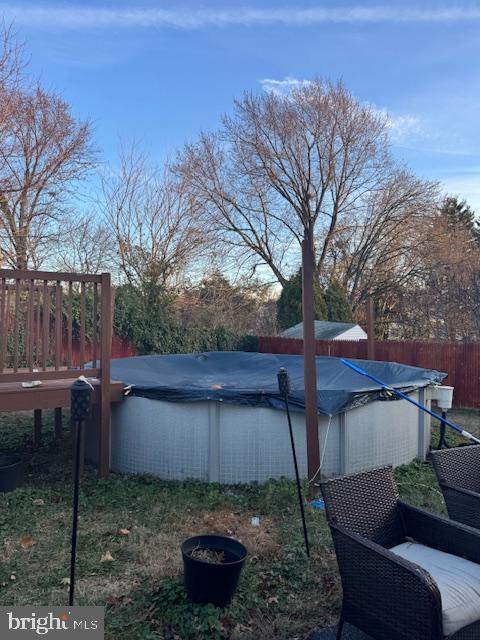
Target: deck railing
x,y
42,313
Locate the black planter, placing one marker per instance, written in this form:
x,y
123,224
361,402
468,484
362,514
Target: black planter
x,y
207,582
9,470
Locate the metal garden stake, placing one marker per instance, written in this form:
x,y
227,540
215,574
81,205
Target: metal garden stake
x,y
284,389
80,408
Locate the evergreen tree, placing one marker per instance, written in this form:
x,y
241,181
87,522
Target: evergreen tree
x,y
459,215
289,304
338,305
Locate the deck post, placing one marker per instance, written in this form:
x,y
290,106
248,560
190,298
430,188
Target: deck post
x,y
106,345
37,427
58,423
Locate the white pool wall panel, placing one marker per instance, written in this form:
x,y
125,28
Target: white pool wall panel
x,y
167,439
255,444
385,433
218,442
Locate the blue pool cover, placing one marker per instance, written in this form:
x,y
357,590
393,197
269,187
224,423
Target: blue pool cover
x,y
251,379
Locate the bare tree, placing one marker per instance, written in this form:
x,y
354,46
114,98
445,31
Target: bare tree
x,y
44,151
149,214
85,245
284,168
11,68
245,306
376,250
444,303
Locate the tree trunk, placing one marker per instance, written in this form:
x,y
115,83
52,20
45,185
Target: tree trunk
x,y
310,372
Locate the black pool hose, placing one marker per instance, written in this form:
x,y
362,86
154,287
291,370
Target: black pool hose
x,y
442,442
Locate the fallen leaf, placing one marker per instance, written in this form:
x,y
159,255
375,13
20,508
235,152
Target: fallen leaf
x,y
27,542
124,532
38,501
107,557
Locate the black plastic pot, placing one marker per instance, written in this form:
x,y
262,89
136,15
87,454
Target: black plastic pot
x,y
214,583
9,471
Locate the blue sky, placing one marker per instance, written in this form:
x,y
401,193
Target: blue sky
x,y
159,72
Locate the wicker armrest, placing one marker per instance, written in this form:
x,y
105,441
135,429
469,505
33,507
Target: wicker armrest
x,y
460,491
440,533
385,592
463,505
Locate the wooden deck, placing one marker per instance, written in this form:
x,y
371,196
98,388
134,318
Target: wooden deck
x,y
40,311
50,394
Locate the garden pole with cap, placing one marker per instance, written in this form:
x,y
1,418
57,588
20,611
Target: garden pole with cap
x,y
80,410
284,389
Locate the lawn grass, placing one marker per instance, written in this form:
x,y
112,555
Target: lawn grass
x,y
140,522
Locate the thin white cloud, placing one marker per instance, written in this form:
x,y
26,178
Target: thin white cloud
x,y
402,127
78,17
282,87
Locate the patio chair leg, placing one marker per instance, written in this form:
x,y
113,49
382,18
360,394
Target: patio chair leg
x,y
340,627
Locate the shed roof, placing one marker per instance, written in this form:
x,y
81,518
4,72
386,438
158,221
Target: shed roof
x,y
323,330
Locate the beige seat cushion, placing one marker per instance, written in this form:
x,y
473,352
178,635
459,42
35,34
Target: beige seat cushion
x,y
458,581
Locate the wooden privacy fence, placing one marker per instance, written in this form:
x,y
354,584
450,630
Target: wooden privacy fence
x,y
121,348
43,316
461,360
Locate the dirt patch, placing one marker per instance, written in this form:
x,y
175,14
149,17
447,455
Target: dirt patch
x,y
260,539
157,553
94,589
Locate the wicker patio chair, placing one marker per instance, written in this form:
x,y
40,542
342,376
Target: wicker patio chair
x,y
386,595
458,474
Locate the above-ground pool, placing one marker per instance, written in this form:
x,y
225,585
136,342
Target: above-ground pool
x,y
218,417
